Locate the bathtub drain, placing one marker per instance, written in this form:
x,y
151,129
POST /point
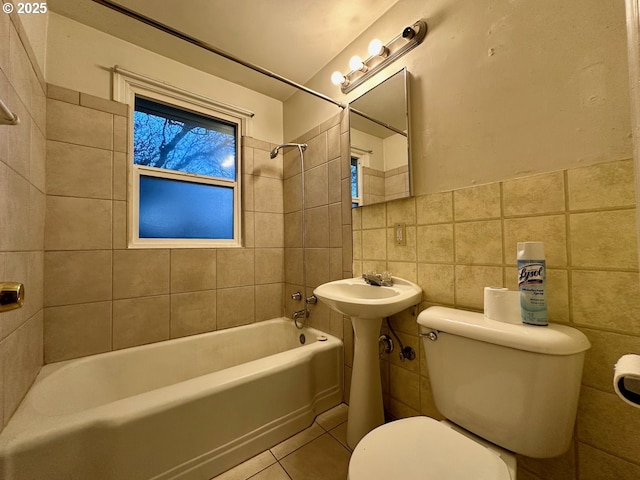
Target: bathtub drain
x,y
303,339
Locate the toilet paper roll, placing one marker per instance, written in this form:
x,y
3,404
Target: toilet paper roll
x,y
626,379
502,304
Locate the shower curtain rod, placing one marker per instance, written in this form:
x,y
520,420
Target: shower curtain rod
x,y
382,124
7,117
194,41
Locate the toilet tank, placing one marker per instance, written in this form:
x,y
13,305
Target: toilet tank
x,y
515,385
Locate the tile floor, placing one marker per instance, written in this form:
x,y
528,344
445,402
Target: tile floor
x,y
318,453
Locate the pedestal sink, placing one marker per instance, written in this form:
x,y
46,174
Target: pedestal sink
x,y
367,305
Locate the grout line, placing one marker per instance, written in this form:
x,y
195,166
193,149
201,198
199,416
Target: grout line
x,y
502,233
568,251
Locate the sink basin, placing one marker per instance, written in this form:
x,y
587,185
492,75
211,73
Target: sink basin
x,y
356,298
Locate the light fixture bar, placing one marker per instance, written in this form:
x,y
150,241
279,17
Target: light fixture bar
x,y
410,38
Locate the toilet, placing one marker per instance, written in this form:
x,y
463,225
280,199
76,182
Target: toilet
x,y
503,388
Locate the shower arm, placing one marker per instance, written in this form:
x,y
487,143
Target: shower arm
x,y
206,46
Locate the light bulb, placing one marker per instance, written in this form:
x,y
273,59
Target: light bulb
x,y
337,78
356,63
376,48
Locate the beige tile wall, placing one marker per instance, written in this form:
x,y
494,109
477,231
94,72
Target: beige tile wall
x,y
380,186
396,183
22,210
373,185
460,241
100,296
327,218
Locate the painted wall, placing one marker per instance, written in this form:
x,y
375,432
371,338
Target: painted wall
x,y
387,154
35,26
500,89
81,58
395,152
364,141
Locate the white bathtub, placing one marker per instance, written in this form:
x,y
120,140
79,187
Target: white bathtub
x,y
188,408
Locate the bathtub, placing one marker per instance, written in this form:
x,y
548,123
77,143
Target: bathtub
x,y
188,408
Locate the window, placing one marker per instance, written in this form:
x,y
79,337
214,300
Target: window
x,y
356,181
184,187
186,168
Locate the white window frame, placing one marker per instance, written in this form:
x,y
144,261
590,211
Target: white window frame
x,y
126,86
362,157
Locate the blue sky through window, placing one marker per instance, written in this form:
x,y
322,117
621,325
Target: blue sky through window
x,y
354,177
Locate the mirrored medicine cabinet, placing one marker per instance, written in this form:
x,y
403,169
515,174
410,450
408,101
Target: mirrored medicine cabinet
x,y
379,131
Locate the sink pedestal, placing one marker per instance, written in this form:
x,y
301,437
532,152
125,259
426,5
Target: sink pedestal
x,y
367,305
365,401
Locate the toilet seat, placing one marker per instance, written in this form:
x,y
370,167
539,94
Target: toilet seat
x,y
421,448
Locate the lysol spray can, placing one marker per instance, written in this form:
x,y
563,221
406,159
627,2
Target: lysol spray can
x,y
532,274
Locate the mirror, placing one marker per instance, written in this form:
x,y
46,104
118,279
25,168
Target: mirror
x,y
379,130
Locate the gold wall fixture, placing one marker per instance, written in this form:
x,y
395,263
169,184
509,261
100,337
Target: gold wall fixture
x,y
11,296
380,56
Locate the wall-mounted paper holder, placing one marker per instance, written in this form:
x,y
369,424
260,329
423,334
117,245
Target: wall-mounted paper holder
x,y
11,296
626,379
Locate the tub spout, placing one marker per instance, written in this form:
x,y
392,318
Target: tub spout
x,y
300,314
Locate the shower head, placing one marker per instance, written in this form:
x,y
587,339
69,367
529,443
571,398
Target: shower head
x,y
301,146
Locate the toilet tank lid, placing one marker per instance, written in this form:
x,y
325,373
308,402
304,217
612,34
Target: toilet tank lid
x,y
552,339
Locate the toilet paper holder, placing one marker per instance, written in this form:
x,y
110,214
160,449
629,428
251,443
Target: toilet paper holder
x,y
11,296
626,379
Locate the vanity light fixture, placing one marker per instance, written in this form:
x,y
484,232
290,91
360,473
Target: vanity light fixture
x,y
356,64
380,56
377,49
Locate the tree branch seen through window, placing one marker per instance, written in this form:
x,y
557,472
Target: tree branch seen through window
x,y
163,141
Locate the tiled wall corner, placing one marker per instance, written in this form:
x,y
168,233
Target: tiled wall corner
x,y
324,227
326,230
22,213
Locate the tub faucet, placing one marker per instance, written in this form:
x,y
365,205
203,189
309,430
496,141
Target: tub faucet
x,y
383,279
299,317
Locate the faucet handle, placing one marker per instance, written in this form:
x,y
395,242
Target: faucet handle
x,y
385,279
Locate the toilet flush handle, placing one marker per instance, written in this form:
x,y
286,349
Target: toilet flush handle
x,y
432,335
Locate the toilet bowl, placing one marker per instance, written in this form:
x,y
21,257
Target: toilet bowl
x,y
421,448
